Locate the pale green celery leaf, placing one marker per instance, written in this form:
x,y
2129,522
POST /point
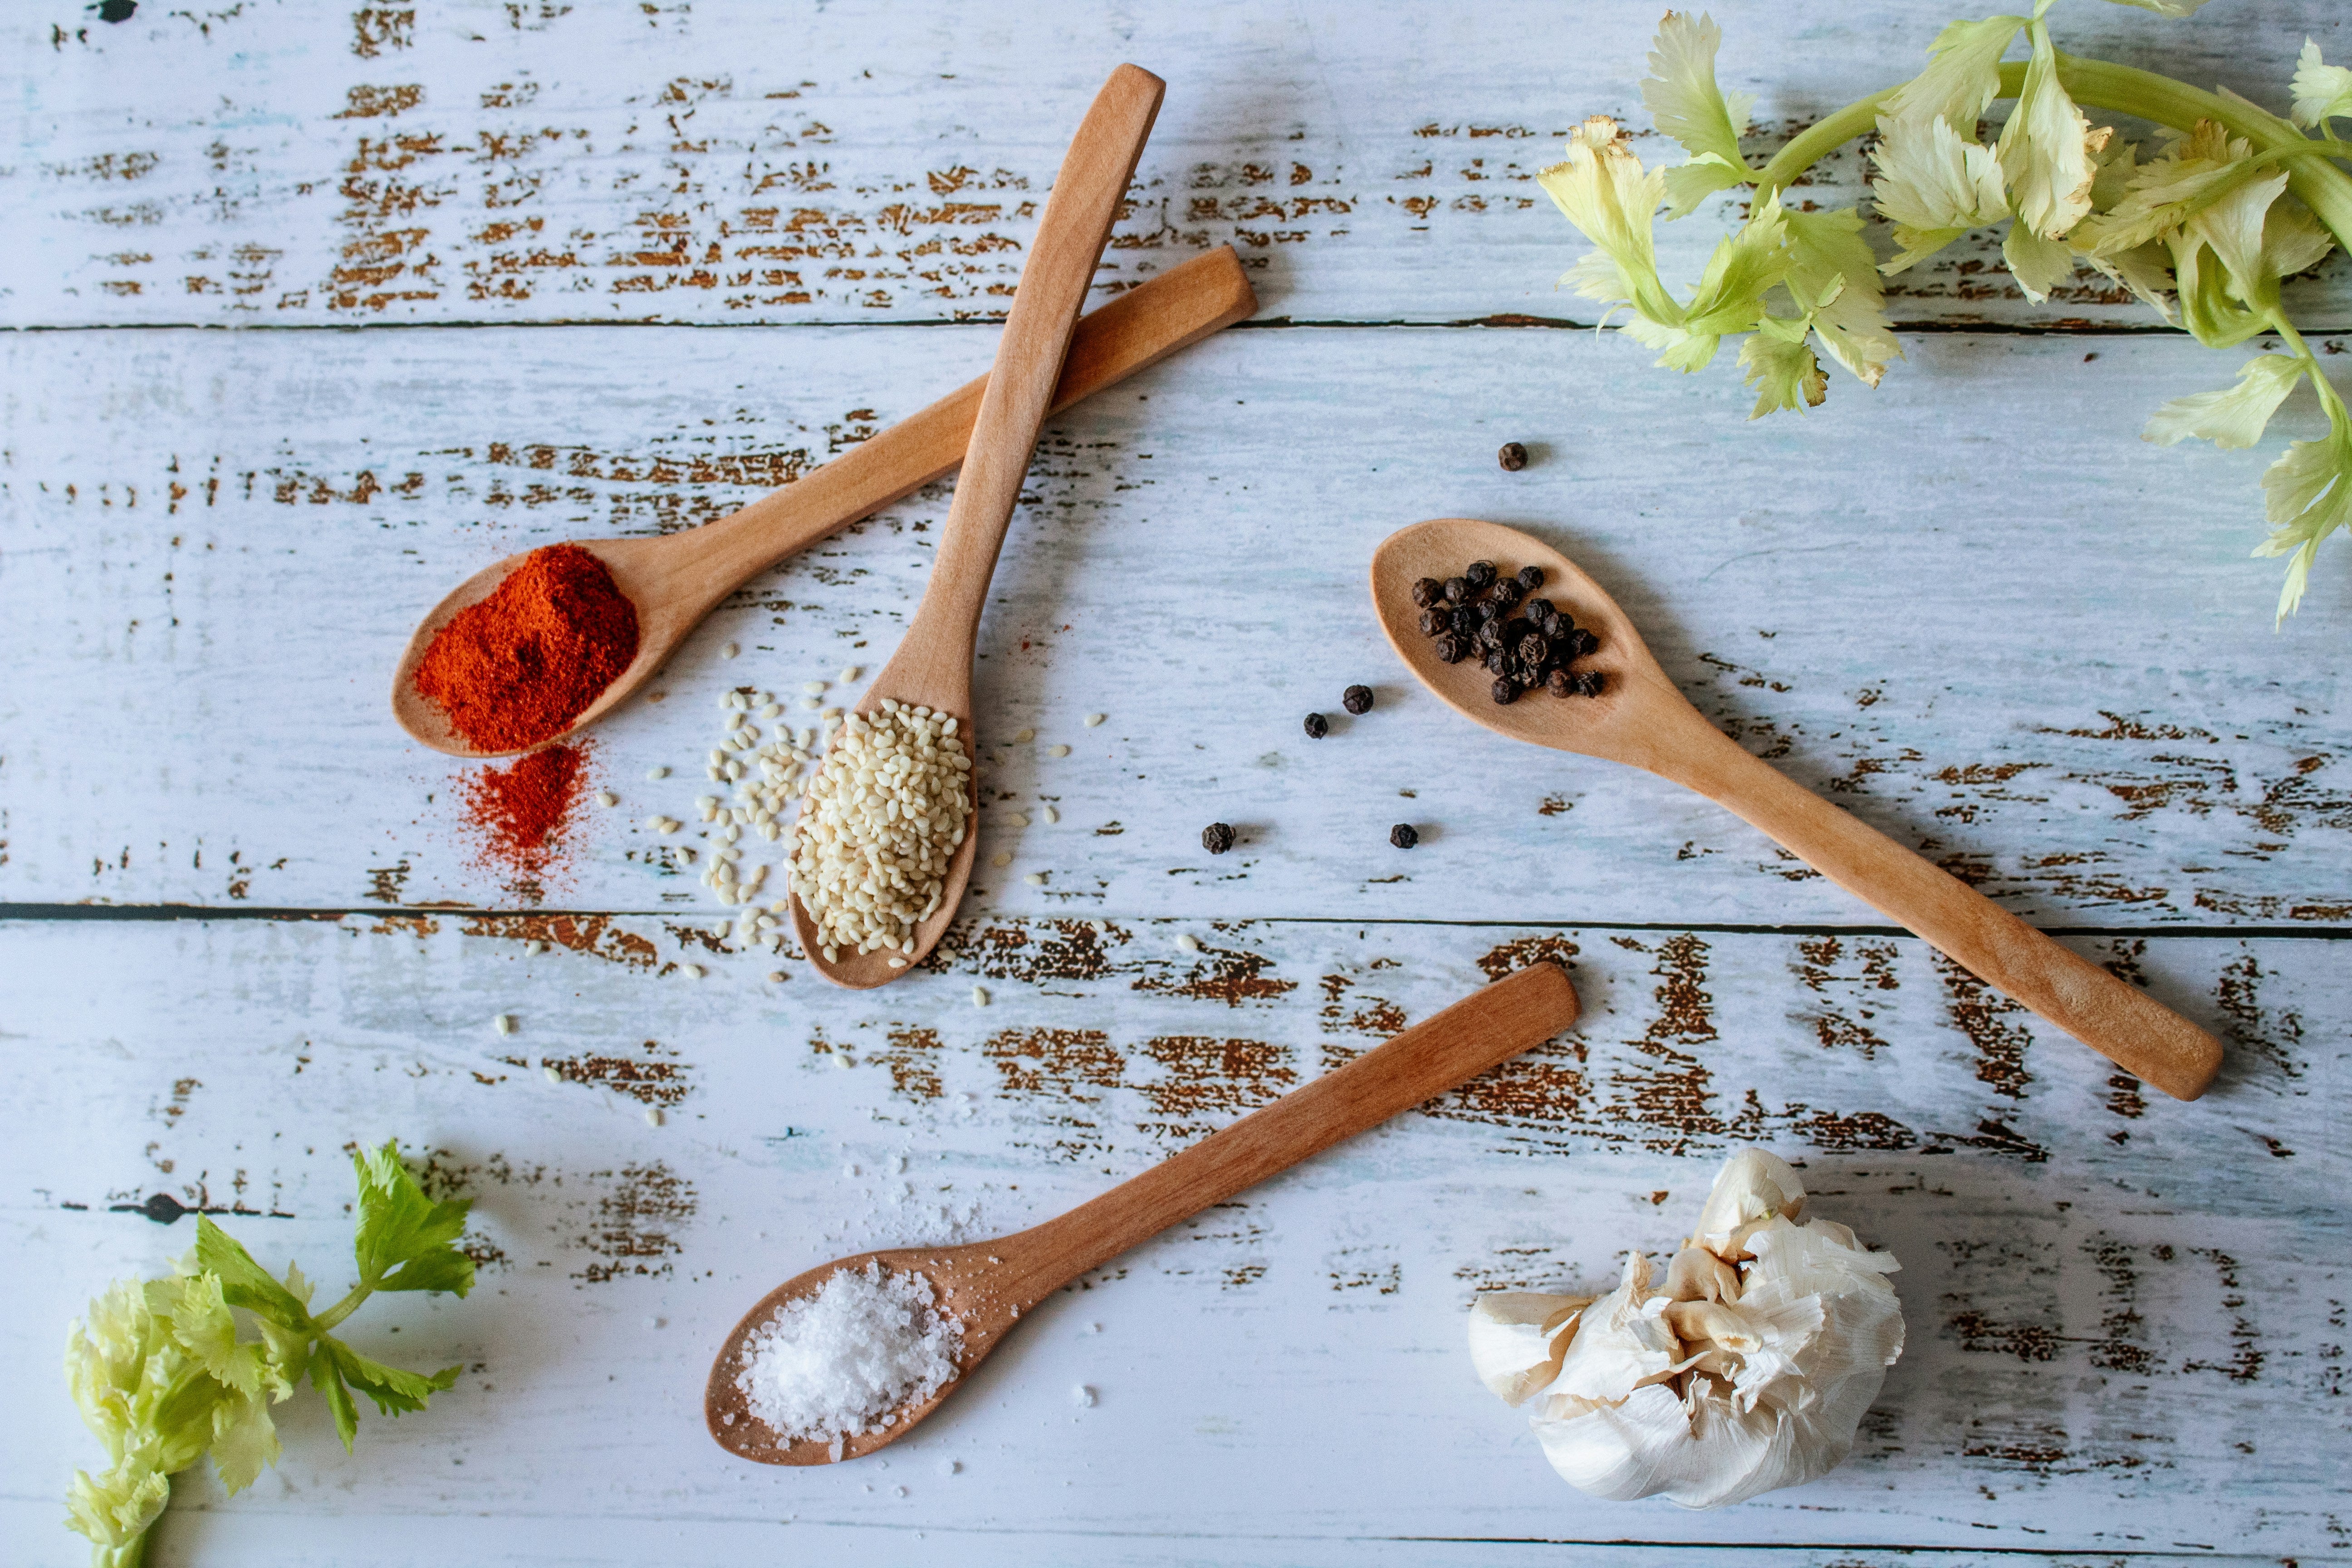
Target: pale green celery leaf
x,y
2321,91
2231,227
2117,162
1681,94
2173,8
1679,348
1596,277
329,1382
2163,193
1781,368
2202,287
1929,178
394,1390
1687,184
2039,265
2293,239
1745,265
106,1360
201,1322
243,1282
1602,189
245,1441
2233,417
399,1225
115,1509
2146,270
1917,244
2046,149
2309,497
1831,273
1962,77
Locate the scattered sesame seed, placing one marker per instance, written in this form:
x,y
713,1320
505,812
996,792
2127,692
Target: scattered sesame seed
x,y
550,1074
654,823
898,964
534,948
812,703
814,688
656,773
1098,927
1023,738
730,650
1187,943
1035,879
691,970
1052,815
841,1058
1018,818
1095,718
655,696
504,1023
1057,750
851,673
653,1116
1001,857
980,995
606,797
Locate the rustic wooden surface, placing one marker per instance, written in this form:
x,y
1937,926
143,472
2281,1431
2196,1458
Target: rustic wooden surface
x,y
1971,605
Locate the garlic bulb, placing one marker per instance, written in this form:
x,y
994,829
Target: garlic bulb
x,y
1747,1369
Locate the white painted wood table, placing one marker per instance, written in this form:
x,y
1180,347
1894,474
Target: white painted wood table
x,y
315,312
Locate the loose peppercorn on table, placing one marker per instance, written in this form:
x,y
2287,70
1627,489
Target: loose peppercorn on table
x,y
318,311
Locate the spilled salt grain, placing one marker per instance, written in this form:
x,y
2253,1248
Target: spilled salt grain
x,y
864,1346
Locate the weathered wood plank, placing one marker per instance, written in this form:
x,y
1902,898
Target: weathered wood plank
x,y
2121,1329
2036,648
733,162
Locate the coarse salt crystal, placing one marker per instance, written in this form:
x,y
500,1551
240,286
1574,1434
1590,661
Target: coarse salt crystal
x,y
1082,1396
841,1360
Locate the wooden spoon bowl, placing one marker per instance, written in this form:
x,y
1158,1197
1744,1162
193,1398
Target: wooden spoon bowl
x,y
988,1285
1641,719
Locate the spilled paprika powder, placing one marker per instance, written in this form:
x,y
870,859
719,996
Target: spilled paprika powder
x,y
518,668
524,811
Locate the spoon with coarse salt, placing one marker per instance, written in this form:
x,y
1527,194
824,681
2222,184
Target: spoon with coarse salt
x,y
920,702
984,1287
1641,720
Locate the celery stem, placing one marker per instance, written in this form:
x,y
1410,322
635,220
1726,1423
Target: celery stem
x,y
342,1308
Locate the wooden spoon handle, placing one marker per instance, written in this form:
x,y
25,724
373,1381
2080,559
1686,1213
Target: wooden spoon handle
x,y
2115,1019
937,653
1133,332
1465,1040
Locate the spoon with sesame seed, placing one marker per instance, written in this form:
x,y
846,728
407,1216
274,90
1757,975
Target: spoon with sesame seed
x,y
1641,720
988,1286
931,674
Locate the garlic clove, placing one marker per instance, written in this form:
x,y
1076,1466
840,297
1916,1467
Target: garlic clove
x,y
1517,1337
1698,1275
1754,1186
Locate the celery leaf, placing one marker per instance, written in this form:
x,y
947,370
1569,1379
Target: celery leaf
x,y
2308,495
1684,103
2046,150
243,1282
1933,186
401,1229
2321,91
2233,417
1962,77
1781,368
1831,271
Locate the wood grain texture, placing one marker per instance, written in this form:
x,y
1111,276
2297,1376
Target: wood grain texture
x,y
222,542
738,162
2121,1334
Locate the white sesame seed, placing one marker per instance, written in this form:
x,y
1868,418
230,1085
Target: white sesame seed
x,y
606,797
898,964
1095,718
671,825
1187,943
1052,815
1057,750
654,823
851,673
727,699
550,1073
653,1116
504,1023
656,773
1098,927
1035,879
813,703
716,757
534,948
691,970
814,688
716,773
776,977
980,995
1001,857
1018,819
730,650
1024,737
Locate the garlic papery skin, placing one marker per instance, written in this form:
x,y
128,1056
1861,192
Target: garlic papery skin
x,y
1749,1371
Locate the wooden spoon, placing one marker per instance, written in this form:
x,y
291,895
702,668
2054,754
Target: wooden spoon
x,y
1641,720
932,668
989,1285
677,579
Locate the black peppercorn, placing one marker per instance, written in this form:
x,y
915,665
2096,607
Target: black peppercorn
x,y
1404,835
1457,589
1486,610
1452,649
1217,837
1534,649
1357,700
1528,676
1427,591
1584,642
1560,628
1531,578
1506,691
1513,457
1496,661
1435,622
1317,726
1591,683
1464,622
1491,635
1559,683
1479,574
1539,610
1504,591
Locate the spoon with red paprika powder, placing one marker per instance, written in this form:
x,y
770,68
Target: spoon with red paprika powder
x,y
538,646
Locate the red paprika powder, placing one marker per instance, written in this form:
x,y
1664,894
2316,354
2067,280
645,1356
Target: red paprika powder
x,y
524,811
518,667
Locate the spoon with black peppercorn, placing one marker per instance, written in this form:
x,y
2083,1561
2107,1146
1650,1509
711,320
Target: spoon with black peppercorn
x,y
987,1286
1639,718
